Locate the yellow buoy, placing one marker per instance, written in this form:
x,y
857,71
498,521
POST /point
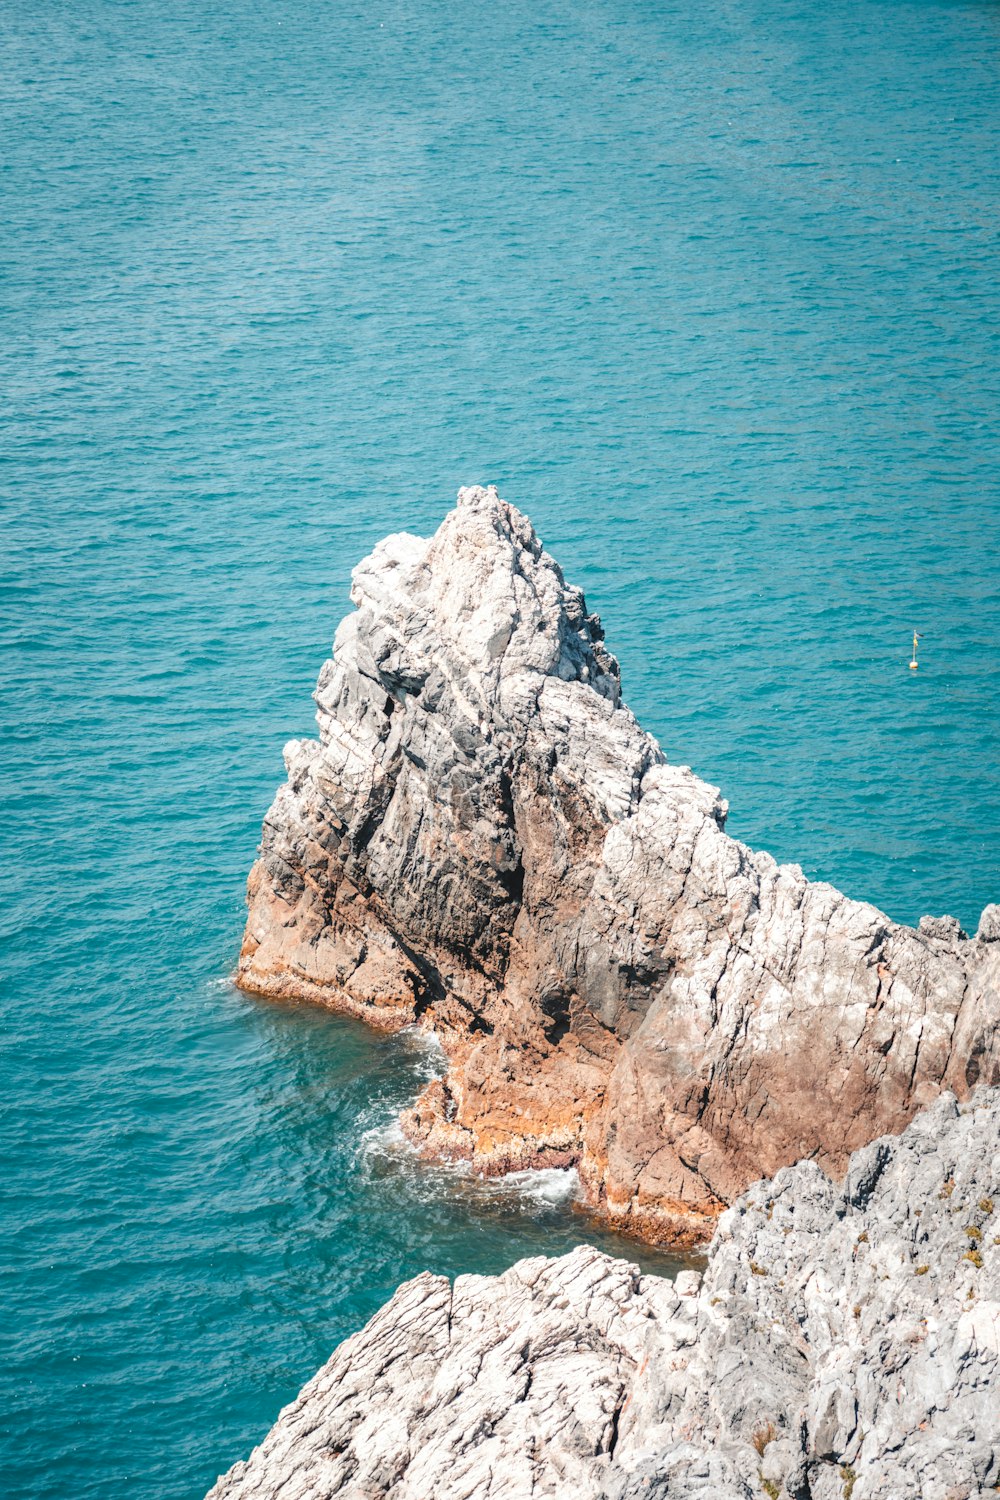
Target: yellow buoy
x,y
914,663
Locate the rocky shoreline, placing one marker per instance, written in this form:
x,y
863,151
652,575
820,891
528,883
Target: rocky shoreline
x,y
485,841
843,1344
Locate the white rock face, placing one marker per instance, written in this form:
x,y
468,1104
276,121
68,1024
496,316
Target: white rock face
x,y
843,1342
509,1385
484,839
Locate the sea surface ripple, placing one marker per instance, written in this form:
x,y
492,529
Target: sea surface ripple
x,y
711,292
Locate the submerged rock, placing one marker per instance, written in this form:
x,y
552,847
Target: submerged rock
x,y
843,1342
485,841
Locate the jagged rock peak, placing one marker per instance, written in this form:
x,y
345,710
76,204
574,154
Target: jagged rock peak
x,y
486,842
481,600
842,1342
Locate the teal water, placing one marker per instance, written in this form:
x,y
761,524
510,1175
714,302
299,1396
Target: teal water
x,y
711,291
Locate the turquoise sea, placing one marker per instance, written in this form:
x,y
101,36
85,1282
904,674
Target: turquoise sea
x,y
711,291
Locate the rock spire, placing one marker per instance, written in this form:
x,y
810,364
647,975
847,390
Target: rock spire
x,y
484,841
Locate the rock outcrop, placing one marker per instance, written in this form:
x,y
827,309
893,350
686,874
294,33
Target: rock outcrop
x,y
486,842
844,1342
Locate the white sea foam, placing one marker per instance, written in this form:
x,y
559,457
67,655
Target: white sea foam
x,y
382,1137
542,1185
427,1049
381,1140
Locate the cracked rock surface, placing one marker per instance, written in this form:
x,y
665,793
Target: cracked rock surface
x,y
485,841
844,1342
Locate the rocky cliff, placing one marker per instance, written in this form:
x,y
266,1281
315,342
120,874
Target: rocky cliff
x,y
485,841
844,1342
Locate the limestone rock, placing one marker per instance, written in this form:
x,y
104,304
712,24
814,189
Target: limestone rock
x,y
844,1341
484,841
